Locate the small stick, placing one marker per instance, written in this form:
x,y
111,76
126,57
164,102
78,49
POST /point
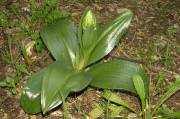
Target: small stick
x,y
125,58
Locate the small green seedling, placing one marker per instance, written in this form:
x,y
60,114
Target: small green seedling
x,y
149,111
78,54
110,110
47,12
21,69
10,83
40,16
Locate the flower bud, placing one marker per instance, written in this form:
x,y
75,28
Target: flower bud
x,y
89,20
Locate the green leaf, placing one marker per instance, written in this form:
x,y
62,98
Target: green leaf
x,y
172,89
110,36
87,34
10,82
160,79
78,81
166,113
39,45
175,115
13,91
30,97
61,40
147,114
60,78
115,110
88,31
96,112
3,84
116,74
116,99
54,78
21,68
139,85
17,79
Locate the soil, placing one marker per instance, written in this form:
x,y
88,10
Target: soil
x,y
152,24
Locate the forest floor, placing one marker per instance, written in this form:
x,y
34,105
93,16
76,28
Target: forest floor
x,y
153,40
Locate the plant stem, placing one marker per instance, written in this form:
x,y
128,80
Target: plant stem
x,y
107,110
66,113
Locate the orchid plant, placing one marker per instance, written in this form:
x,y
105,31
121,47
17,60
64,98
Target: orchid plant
x,y
78,54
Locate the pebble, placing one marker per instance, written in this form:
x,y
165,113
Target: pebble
x,y
33,117
97,7
5,116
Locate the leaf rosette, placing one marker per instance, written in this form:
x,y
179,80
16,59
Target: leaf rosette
x,y
77,53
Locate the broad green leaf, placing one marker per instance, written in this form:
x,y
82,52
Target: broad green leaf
x,y
60,79
139,86
110,36
116,74
87,28
78,81
172,89
54,79
61,40
30,97
87,34
96,112
88,37
116,99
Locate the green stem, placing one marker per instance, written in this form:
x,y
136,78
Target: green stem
x,y
66,113
107,110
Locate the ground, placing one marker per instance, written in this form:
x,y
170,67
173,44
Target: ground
x,y
153,40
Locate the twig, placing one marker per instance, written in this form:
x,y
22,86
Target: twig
x,y
125,58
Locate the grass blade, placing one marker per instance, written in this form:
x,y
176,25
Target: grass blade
x,y
96,112
115,110
173,88
139,85
107,94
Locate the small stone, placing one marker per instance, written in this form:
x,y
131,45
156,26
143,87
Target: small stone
x,y
33,117
5,116
57,113
120,10
74,14
26,9
132,116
